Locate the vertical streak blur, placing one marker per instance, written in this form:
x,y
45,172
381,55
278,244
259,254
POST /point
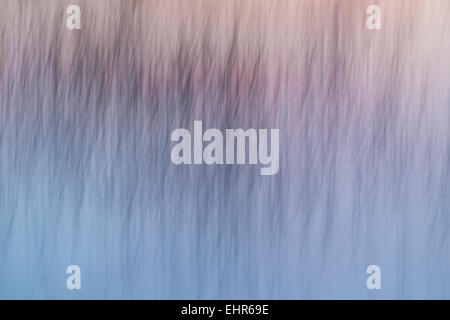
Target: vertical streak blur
x,y
85,170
